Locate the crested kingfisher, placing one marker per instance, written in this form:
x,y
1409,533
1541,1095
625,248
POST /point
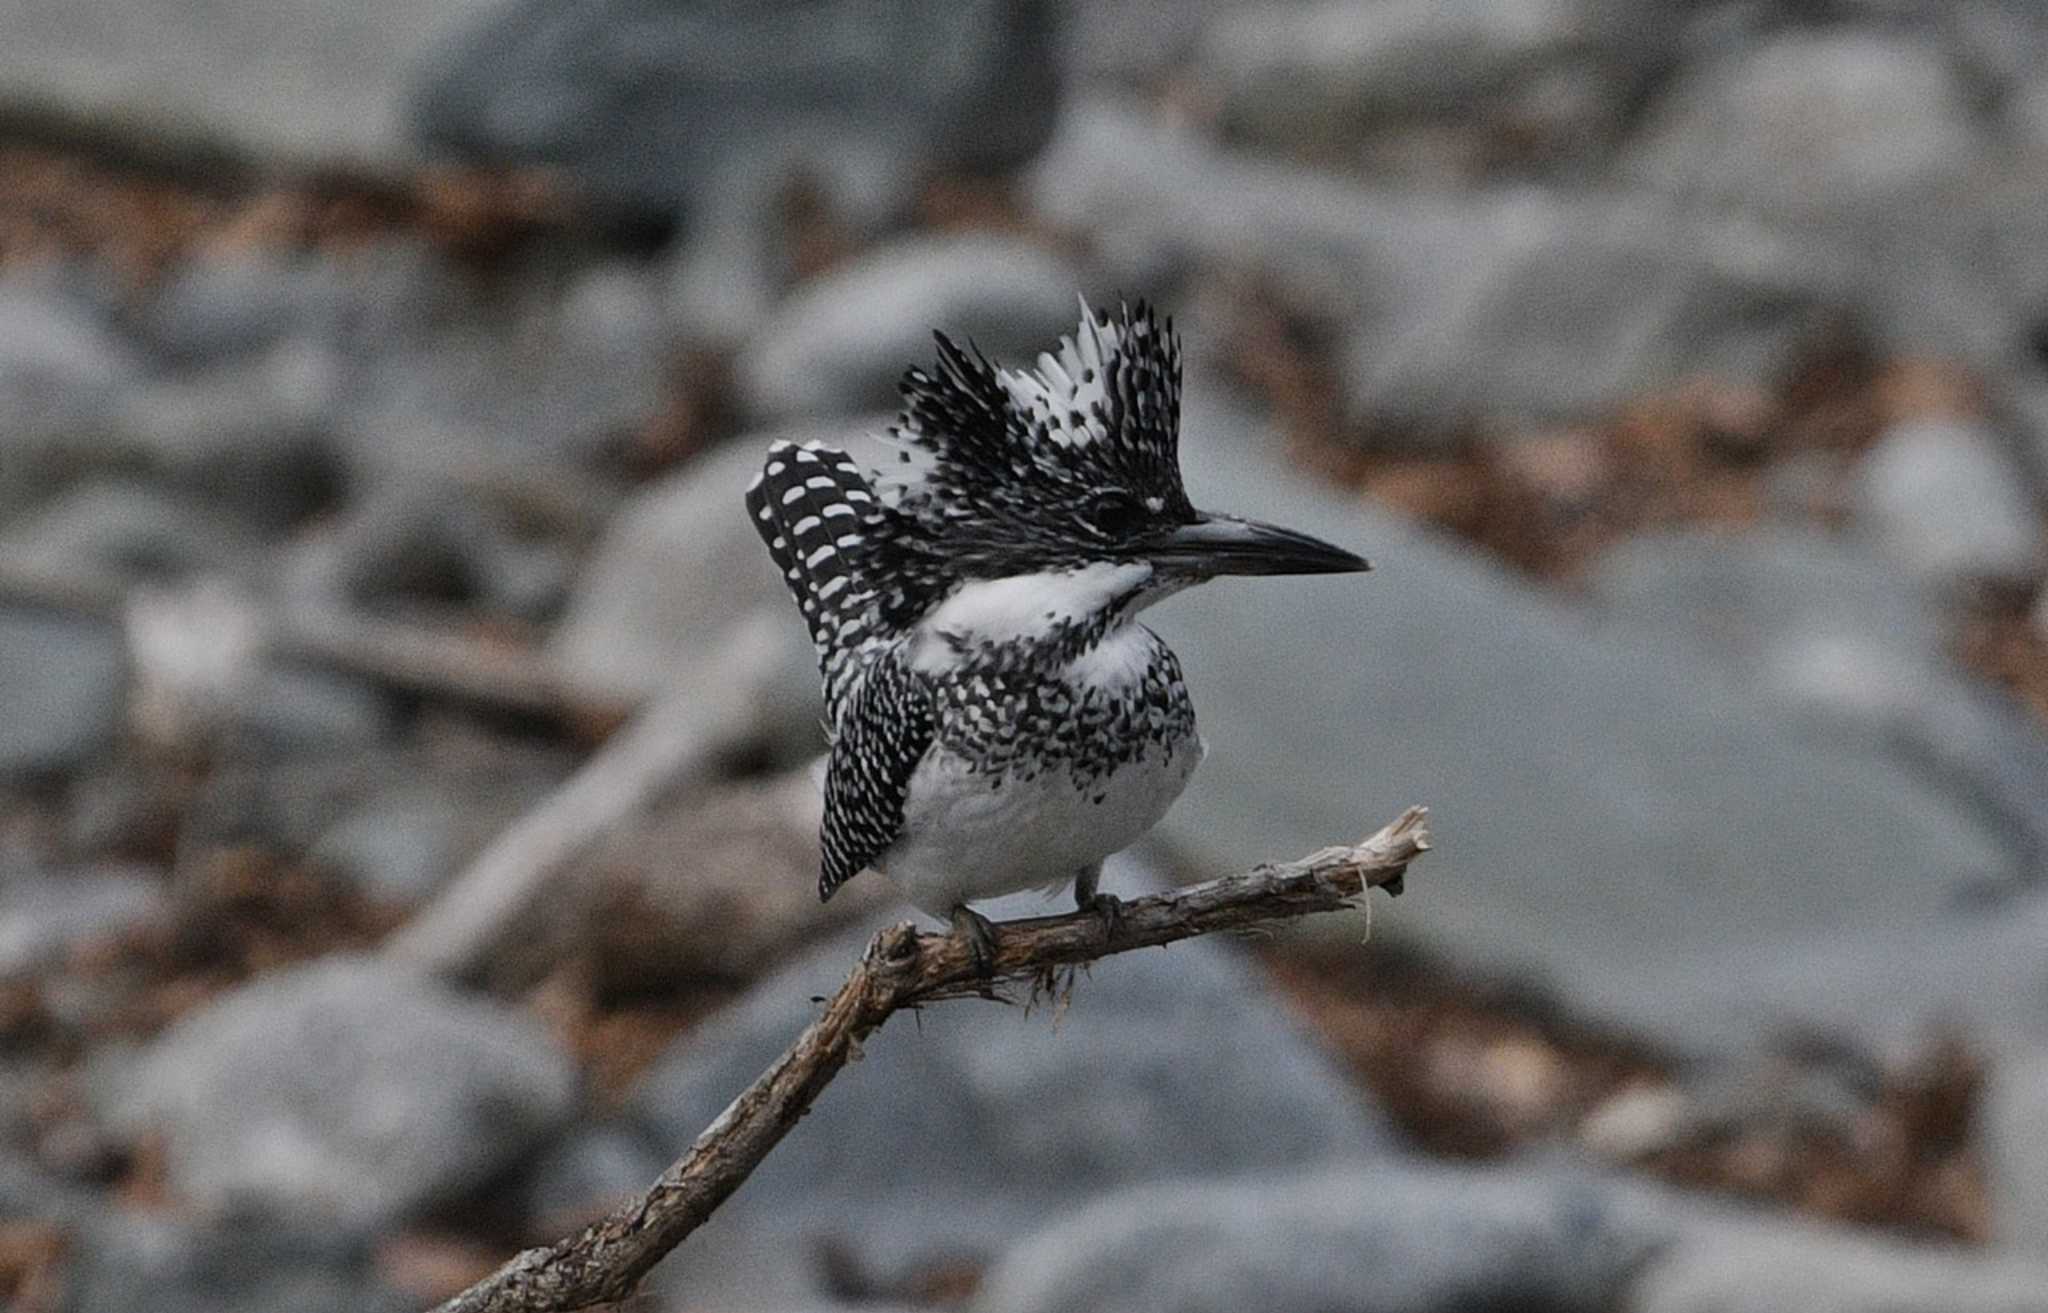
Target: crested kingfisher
x,y
998,717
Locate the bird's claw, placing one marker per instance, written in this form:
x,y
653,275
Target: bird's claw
x,y
978,934
1109,909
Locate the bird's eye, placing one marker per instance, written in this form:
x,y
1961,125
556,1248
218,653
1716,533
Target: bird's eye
x,y
1114,515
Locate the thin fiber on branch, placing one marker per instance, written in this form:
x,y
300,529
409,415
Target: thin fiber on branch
x,y
902,968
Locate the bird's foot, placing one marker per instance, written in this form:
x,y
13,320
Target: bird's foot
x,y
1109,909
978,934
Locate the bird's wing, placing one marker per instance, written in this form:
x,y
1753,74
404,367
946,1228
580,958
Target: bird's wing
x,y
882,733
818,515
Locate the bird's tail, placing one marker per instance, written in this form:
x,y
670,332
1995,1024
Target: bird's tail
x,y
814,508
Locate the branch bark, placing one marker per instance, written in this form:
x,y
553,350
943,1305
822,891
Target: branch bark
x,y
900,969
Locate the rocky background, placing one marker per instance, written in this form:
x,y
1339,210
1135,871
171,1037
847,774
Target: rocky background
x,y
377,383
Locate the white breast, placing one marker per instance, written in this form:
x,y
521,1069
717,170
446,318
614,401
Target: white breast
x,y
1024,606
964,840
969,834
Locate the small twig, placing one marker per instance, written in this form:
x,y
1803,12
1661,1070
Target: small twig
x,y
674,742
414,658
904,969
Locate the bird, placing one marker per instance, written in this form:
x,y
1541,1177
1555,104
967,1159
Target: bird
x,y
998,718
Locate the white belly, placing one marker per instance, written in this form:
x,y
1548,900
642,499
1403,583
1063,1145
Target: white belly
x,y
964,840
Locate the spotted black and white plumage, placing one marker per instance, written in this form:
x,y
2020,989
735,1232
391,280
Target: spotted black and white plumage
x,y
999,720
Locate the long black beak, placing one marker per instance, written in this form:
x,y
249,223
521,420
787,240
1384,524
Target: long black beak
x,y
1224,544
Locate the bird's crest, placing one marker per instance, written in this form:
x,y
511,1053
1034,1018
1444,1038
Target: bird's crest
x,y
1024,470
1031,453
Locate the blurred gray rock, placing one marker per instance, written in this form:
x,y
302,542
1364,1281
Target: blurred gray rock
x,y
650,102
61,690
677,567
841,343
1769,1270
1157,201
379,817
1614,819
427,546
551,369
715,888
63,372
300,80
218,307
1807,123
2001,42
1845,639
966,1124
255,439
1131,44
398,847
120,1261
1820,622
1568,306
1553,77
131,530
28,1190
287,710
348,1092
2012,1126
1947,499
1447,310
590,1169
1385,1239
42,914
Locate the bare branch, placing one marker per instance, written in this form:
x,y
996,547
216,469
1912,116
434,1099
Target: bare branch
x,y
902,968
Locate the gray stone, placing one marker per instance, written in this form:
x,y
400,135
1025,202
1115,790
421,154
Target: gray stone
x,y
287,710
1568,306
124,1260
716,887
557,370
1808,123
132,531
841,343
257,439
352,812
63,371
650,102
2012,1126
426,545
964,1125
678,566
217,307
1324,75
1809,617
1767,1270
27,1190
1950,502
399,847
43,914
301,81
589,1170
61,690
348,1093
1393,1238
1614,820
1132,44
1447,309
1158,200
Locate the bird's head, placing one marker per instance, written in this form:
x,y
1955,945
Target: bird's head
x,y
1076,463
